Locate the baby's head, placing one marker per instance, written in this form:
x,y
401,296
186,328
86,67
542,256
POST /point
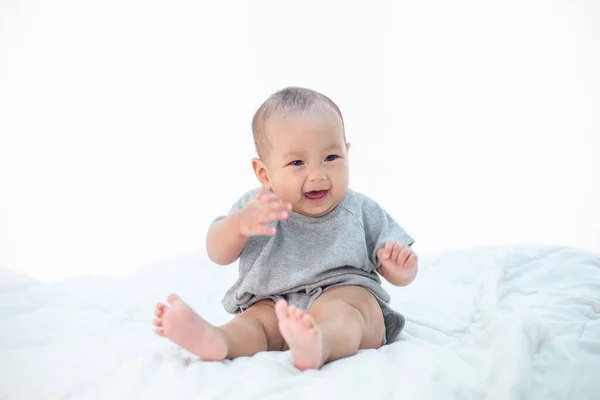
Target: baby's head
x,y
302,150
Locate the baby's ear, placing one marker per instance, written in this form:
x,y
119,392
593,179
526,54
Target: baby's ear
x,y
260,170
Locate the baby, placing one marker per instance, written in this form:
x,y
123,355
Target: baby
x,y
310,249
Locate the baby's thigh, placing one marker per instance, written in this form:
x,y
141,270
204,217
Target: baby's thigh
x,y
360,299
264,312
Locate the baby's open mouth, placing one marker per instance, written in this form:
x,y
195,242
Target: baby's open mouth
x,y
316,196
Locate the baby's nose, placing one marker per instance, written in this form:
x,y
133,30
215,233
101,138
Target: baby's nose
x,y
317,173
317,177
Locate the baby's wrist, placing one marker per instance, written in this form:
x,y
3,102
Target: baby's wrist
x,y
237,223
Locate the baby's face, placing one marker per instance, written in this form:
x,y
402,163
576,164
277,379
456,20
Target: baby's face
x,y
307,163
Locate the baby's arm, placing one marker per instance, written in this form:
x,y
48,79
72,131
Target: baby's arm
x,y
389,245
399,263
227,237
225,241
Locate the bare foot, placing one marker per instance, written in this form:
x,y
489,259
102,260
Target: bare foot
x,y
302,336
183,326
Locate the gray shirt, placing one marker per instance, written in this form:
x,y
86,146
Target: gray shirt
x,y
310,254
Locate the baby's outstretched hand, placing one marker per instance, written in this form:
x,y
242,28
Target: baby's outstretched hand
x,y
264,208
398,261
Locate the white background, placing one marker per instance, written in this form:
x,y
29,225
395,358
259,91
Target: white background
x,y
125,125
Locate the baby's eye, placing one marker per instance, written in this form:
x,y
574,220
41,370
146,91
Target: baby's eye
x,y
331,157
296,163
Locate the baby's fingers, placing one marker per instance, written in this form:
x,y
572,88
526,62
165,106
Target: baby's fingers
x,y
412,260
262,230
396,250
277,206
269,216
270,197
404,255
260,193
386,252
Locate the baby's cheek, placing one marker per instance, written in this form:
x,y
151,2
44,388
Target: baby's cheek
x,y
290,196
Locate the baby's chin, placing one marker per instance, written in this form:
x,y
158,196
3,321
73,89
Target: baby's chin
x,y
312,214
316,212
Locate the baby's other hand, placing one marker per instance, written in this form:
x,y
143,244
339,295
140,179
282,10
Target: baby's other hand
x,y
398,262
264,208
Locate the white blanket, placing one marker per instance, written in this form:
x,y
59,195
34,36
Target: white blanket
x,y
499,323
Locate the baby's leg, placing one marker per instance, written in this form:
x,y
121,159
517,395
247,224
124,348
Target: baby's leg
x,y
253,331
248,333
350,318
341,321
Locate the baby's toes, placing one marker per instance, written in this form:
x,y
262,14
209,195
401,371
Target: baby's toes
x,y
157,322
160,309
294,312
307,321
173,298
281,309
159,331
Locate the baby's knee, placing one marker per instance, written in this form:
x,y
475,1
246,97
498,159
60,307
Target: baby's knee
x,y
372,320
356,297
263,314
336,302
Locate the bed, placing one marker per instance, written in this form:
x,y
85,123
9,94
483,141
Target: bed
x,y
505,322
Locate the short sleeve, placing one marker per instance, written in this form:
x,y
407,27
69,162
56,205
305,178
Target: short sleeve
x,y
238,205
379,228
